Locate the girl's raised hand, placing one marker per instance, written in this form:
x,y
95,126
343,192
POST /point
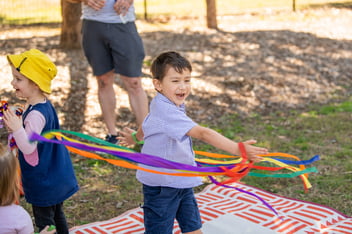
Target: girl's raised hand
x,y
11,120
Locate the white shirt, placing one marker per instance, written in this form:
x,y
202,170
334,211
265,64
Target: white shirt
x,y
107,14
165,135
15,220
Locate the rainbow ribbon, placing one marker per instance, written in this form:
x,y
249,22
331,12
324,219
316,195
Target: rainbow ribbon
x,y
4,106
232,167
18,111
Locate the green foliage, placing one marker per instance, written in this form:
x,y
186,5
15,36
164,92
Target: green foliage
x,y
28,12
342,107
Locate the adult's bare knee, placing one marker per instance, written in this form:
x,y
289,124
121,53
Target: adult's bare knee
x,y
105,80
133,84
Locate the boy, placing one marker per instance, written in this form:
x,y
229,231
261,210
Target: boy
x,y
167,133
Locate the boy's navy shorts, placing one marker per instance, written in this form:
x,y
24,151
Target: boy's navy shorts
x,y
163,204
113,46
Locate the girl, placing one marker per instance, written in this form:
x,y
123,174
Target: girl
x,y
13,218
48,177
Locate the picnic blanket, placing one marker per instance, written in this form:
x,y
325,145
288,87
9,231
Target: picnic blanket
x,y
228,211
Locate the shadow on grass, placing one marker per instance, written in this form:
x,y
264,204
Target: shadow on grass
x,y
249,71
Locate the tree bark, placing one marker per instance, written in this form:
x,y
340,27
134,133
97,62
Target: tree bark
x,y
294,5
71,25
211,14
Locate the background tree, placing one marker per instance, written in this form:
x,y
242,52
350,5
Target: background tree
x,y
211,14
71,24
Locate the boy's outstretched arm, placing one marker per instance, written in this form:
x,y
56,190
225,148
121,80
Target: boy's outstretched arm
x,y
219,141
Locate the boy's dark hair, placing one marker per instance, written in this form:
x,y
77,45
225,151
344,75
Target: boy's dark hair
x,y
166,60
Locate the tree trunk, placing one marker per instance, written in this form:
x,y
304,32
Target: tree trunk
x,y
71,25
211,14
145,10
294,5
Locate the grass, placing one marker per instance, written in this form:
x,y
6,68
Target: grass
x,y
49,11
323,130
28,12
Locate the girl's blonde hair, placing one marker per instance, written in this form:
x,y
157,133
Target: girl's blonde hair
x,y
9,177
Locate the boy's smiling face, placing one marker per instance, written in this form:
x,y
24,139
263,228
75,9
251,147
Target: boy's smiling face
x,y
175,86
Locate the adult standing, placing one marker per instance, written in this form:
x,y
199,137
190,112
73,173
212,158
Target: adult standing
x,y
112,45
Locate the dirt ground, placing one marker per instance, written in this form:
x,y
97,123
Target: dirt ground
x,y
258,62
262,62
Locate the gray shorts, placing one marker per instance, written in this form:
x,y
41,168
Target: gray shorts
x,y
113,46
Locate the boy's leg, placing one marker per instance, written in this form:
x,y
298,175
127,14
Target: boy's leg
x,y
195,232
188,215
160,206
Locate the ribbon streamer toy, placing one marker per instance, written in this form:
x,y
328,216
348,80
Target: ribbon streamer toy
x,y
18,111
233,167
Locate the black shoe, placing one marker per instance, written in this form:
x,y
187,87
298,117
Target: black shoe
x,y
111,138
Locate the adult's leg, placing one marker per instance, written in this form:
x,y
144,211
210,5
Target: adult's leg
x,y
107,100
137,97
98,53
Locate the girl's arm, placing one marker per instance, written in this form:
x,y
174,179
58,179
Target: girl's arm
x,y
34,122
217,140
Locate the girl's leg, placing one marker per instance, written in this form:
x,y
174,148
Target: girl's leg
x,y
43,216
60,220
51,215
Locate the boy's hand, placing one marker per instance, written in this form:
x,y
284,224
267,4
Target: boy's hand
x,y
11,120
253,151
121,6
95,4
125,137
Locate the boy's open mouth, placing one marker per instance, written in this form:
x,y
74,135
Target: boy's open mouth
x,y
181,95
